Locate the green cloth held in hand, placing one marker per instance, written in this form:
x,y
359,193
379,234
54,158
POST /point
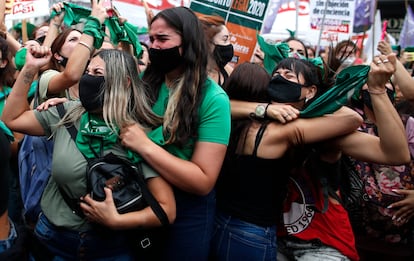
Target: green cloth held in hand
x,y
73,13
273,53
124,33
347,85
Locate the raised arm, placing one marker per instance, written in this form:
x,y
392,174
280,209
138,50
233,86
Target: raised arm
x,y
80,55
17,114
391,147
401,76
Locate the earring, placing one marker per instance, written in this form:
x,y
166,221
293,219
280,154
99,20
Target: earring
x,y
306,100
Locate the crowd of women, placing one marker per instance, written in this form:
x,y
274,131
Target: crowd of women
x,y
246,164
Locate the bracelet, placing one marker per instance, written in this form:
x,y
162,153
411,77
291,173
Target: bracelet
x,y
377,92
267,106
87,46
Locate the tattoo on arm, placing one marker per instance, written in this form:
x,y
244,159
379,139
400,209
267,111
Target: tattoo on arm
x,y
28,77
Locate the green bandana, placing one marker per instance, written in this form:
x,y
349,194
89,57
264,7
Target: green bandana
x,y
73,13
94,133
273,53
348,84
123,33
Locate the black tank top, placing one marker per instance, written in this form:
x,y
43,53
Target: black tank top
x,y
252,188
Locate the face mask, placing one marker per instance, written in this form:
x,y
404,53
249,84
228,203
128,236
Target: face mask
x,y
165,60
366,98
282,90
348,61
223,54
64,61
20,58
91,92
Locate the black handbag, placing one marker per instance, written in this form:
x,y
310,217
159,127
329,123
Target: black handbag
x,y
129,191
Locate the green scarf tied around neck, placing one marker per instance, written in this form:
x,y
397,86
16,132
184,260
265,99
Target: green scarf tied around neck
x,y
94,133
348,84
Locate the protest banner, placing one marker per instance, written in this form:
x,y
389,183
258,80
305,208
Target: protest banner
x,y
134,10
331,21
244,19
23,9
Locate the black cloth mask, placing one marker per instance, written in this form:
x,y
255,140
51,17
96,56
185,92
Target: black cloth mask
x,y
282,90
223,54
366,97
91,92
165,60
64,60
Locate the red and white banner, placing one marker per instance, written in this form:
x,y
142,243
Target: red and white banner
x,y
22,9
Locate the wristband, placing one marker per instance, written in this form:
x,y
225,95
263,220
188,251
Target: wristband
x,y
377,91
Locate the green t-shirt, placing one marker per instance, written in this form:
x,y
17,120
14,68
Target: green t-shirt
x,y
214,119
68,171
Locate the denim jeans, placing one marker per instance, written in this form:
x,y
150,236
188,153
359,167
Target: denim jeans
x,y
7,243
307,251
190,235
235,239
91,245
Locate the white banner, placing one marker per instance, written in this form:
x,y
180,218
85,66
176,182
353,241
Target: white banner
x,y
22,9
331,20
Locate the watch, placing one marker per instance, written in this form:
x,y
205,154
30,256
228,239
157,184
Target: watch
x,y
260,111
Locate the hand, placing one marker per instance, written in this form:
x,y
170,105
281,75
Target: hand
x,y
384,48
405,207
382,68
133,137
58,8
37,56
282,112
102,212
99,11
51,102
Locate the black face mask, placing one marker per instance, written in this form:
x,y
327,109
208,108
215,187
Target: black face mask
x,y
91,92
366,98
64,61
282,90
223,54
165,60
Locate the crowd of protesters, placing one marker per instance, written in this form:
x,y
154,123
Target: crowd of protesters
x,y
294,155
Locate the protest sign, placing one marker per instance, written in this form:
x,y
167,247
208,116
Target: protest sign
x,y
22,9
244,19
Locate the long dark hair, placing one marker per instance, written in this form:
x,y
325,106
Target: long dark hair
x,y
6,73
247,82
56,46
183,124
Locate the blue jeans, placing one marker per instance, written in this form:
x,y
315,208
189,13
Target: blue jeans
x,y
190,235
235,239
90,245
7,243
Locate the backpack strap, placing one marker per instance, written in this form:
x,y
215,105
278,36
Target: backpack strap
x,y
72,203
152,202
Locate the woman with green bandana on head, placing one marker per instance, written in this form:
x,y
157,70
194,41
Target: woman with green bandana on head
x,y
111,96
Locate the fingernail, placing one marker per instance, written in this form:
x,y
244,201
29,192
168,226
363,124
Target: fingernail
x,y
390,206
394,217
